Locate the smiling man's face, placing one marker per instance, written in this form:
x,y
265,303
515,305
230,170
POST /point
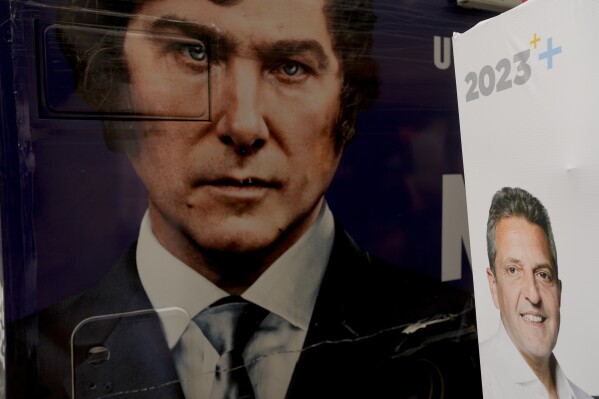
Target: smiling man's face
x,y
252,177
526,288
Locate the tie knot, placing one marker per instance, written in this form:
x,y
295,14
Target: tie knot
x,y
229,323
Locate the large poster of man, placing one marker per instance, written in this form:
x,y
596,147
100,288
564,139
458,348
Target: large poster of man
x,y
181,238
530,144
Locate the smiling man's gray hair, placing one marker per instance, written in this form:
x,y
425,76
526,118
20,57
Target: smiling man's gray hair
x,y
516,202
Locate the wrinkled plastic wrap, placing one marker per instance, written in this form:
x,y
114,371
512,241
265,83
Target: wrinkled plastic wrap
x,y
72,204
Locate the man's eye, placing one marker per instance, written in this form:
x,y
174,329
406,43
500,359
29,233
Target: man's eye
x,y
511,270
186,56
291,69
545,276
196,52
291,72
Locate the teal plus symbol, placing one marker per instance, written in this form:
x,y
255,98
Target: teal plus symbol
x,y
550,53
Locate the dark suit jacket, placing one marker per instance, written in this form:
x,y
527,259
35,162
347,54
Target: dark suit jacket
x,y
355,346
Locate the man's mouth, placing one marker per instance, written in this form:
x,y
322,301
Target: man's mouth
x,y
246,182
531,318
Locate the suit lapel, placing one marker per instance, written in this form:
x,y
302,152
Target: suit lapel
x,y
121,348
132,359
356,329
332,357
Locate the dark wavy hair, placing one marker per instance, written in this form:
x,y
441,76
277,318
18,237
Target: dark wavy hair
x,y
96,56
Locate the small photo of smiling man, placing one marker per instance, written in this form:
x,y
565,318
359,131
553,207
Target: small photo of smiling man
x,y
518,361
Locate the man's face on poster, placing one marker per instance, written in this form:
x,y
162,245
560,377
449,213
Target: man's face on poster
x,y
264,76
525,287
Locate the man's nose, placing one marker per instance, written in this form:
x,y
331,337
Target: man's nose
x,y
240,120
531,289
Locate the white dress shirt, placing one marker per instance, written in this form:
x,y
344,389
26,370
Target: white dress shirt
x,y
506,375
287,289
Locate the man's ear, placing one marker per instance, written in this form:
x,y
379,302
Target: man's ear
x,y
493,286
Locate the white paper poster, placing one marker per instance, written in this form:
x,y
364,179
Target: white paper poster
x,y
528,95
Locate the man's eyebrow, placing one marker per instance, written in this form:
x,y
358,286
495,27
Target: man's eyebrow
x,y
513,260
535,268
225,43
228,45
288,48
540,266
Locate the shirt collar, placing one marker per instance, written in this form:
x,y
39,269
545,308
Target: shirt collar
x,y
287,288
518,371
290,285
564,389
170,284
